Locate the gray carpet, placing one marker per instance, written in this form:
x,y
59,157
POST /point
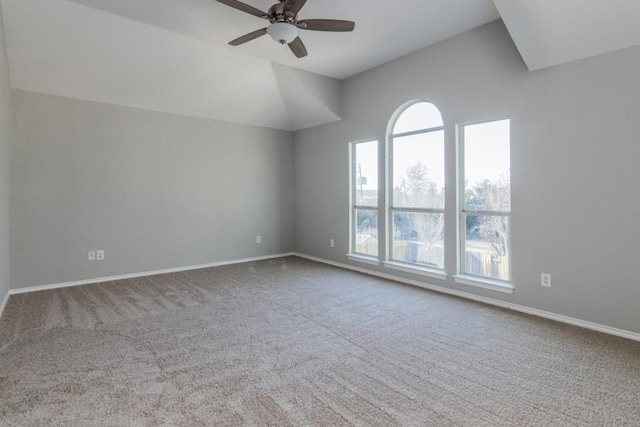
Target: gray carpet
x,y
293,342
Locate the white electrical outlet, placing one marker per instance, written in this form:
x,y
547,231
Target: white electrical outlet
x,y
332,243
258,239
91,256
545,280
100,255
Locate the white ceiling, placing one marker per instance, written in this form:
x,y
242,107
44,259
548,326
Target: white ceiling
x,y
385,30
172,55
553,32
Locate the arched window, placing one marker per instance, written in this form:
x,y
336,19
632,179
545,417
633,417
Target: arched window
x,y
416,188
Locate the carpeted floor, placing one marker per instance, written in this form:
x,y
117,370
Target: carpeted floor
x,y
293,342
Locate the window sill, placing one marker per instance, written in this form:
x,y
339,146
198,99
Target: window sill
x,y
363,258
494,285
422,271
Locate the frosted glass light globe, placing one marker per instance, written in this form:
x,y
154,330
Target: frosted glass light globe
x,y
282,32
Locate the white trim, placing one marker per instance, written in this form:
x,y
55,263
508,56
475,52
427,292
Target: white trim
x,y
515,307
4,302
141,274
493,285
362,258
422,271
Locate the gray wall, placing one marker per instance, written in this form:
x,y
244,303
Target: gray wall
x,y
153,190
5,115
575,156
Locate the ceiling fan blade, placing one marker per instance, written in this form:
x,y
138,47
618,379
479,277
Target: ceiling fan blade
x,y
248,37
294,5
245,8
326,25
298,48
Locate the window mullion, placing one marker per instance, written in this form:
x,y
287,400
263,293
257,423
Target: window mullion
x,y
417,210
417,132
486,213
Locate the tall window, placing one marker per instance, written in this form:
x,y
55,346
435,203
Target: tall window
x,y
485,205
416,189
364,198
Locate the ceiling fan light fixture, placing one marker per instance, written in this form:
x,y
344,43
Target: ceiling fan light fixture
x,y
284,27
282,32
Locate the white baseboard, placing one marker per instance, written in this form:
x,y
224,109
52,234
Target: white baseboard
x,y
141,274
515,307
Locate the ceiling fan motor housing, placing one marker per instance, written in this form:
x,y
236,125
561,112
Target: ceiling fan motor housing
x,y
278,13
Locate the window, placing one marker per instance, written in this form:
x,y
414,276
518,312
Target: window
x,y
485,200
364,198
413,217
416,188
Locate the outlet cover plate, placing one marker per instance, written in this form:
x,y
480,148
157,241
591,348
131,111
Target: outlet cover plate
x,y
545,280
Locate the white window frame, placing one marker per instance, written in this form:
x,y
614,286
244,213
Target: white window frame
x,y
415,268
462,276
353,207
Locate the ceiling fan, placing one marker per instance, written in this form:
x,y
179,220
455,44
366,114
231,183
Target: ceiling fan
x,y
285,24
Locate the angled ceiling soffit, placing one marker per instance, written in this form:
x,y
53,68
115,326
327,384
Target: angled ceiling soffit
x,y
310,99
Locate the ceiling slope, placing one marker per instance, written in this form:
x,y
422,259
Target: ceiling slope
x,y
172,55
62,48
385,30
310,99
552,32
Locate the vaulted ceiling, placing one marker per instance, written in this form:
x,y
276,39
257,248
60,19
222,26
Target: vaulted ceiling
x,y
553,32
172,55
